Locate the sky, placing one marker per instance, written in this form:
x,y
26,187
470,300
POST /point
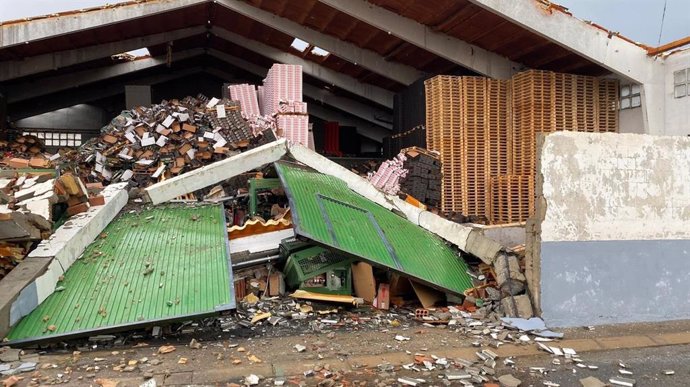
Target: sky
x,y
639,20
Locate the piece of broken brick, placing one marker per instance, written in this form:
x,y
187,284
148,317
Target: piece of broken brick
x,y
39,162
17,163
76,200
70,184
97,200
79,208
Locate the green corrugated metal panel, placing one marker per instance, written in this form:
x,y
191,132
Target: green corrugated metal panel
x,y
112,284
327,211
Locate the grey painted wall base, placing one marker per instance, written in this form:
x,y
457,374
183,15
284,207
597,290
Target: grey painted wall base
x,y
611,282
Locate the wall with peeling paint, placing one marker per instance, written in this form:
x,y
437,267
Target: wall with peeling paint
x,y
615,228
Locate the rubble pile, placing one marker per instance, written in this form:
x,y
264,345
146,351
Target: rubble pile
x,y
414,172
146,144
30,203
277,104
387,177
25,152
423,178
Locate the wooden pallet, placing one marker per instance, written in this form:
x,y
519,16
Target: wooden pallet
x,y
512,198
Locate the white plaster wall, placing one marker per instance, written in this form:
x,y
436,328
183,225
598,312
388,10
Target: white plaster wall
x,y
615,187
631,121
677,112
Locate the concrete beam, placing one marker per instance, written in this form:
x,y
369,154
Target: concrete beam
x,y
215,173
27,31
84,95
365,112
618,55
32,89
368,59
349,106
364,128
376,94
56,60
455,50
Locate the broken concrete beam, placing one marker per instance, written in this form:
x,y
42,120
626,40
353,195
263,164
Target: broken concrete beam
x,y
485,248
517,306
39,222
509,276
16,226
216,172
18,281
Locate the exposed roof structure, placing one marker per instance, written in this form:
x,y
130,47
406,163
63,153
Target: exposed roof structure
x,y
363,51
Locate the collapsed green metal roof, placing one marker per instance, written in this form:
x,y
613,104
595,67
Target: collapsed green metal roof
x,y
325,210
162,264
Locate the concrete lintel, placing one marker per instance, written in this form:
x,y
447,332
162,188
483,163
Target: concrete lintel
x,y
215,173
57,60
16,33
455,50
360,110
32,89
345,50
376,94
608,50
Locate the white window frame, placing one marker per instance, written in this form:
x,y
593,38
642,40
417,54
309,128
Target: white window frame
x,y
57,139
681,83
630,96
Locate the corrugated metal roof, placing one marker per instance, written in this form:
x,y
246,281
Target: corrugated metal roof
x,y
164,263
326,210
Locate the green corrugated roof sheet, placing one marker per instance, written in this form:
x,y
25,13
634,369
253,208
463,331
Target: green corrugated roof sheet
x,y
326,210
186,248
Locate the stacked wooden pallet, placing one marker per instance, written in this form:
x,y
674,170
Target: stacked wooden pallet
x,y
467,124
486,134
512,198
545,102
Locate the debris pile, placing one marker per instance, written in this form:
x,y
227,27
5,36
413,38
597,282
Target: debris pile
x,y
387,177
423,179
146,144
277,104
25,152
29,205
414,173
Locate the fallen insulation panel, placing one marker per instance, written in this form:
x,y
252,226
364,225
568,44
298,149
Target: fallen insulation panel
x,y
162,264
325,210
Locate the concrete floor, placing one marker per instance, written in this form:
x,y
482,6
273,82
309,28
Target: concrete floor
x,y
647,348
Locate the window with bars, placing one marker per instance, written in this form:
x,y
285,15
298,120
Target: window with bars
x,y
630,96
55,139
681,83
